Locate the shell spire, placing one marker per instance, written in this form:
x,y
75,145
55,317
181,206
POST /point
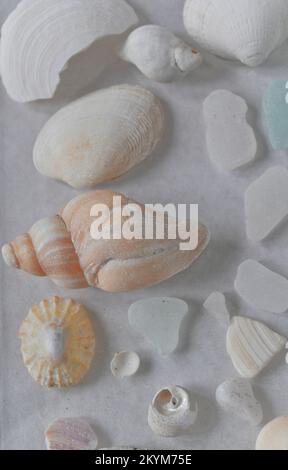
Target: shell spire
x,y
62,248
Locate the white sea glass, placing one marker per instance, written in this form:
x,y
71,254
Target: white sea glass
x,y
266,203
262,288
216,306
230,139
236,396
159,320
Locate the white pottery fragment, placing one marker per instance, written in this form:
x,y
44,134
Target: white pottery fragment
x,y
159,320
100,136
252,346
230,139
40,36
262,288
171,412
236,396
266,203
246,30
274,436
70,434
125,364
159,54
216,306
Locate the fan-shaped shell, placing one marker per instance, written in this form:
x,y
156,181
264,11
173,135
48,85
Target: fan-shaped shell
x,y
100,137
70,434
58,342
40,36
247,30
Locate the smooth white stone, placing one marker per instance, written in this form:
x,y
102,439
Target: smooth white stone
x,y
216,306
236,396
159,320
125,364
266,203
262,288
231,141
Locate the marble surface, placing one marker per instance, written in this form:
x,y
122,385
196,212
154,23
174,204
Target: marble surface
x,y
179,171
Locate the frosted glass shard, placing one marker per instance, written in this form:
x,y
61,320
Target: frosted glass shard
x,y
252,346
159,320
275,106
262,288
216,306
236,396
266,203
230,140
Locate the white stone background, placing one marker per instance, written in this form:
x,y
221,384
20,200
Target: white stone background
x,y
180,172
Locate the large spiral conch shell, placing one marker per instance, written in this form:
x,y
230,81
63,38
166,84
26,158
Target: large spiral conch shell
x,y
100,136
58,342
40,36
62,248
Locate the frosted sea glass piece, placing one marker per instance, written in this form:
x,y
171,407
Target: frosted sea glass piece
x,y
266,203
216,306
262,288
275,105
230,139
159,320
236,396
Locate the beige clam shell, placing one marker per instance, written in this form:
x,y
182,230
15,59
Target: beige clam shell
x,y
57,342
274,436
100,137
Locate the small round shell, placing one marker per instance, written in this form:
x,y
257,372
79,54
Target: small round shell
x,y
70,434
58,342
171,412
125,364
274,436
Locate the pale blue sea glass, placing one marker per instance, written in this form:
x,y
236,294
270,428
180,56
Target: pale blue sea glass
x,y
275,105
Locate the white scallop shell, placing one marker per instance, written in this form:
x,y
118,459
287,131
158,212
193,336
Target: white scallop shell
x,y
247,30
159,54
236,396
40,36
274,436
100,136
70,434
125,364
252,346
171,412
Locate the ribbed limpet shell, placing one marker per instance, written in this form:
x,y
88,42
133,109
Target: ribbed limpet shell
x,y
58,342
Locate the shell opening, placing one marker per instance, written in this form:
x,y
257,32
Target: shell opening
x,y
55,343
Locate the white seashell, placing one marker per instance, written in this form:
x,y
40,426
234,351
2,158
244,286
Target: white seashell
x,y
216,306
171,412
159,320
236,396
159,54
266,203
125,364
70,434
274,436
57,342
40,36
262,288
252,346
230,139
247,30
100,137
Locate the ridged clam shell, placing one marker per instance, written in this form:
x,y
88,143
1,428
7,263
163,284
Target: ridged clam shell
x,y
159,54
274,436
70,434
247,30
62,248
57,342
100,136
252,346
171,412
40,36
